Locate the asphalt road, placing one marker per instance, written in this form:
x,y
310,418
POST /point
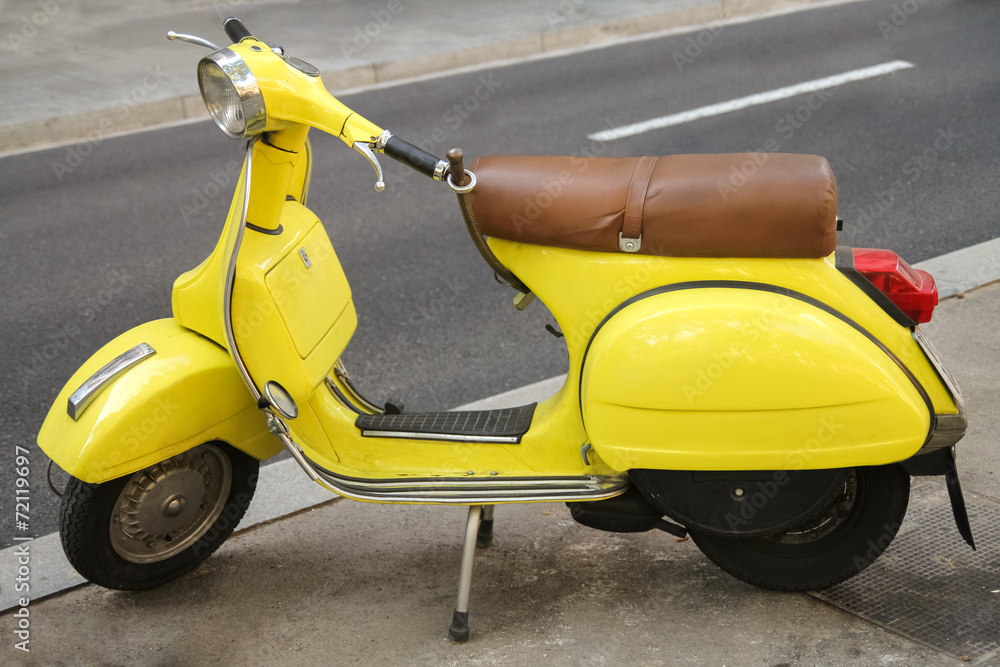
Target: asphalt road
x,y
92,236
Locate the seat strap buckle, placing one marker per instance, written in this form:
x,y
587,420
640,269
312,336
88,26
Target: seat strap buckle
x,y
629,245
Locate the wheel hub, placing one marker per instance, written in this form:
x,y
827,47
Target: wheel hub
x,y
167,507
826,521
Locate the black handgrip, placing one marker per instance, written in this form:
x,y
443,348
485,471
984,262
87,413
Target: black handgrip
x,y
236,30
411,156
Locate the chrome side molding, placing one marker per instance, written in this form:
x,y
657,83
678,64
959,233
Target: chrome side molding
x,y
80,399
454,491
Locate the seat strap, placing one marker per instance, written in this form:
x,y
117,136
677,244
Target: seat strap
x,y
630,237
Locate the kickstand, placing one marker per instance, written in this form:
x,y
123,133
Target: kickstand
x,y
459,630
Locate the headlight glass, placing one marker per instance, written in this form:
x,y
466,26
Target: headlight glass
x,y
231,94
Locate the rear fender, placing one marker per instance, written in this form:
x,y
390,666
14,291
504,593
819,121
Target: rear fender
x,y
188,391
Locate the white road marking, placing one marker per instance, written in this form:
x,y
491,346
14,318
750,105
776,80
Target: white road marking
x,y
749,101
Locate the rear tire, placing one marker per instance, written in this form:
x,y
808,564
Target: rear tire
x,y
833,547
143,530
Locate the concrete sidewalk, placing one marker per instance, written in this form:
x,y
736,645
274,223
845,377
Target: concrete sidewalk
x,y
72,70
351,583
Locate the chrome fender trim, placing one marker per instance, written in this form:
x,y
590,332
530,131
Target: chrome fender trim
x,y
80,399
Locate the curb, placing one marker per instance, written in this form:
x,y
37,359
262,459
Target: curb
x,y
181,109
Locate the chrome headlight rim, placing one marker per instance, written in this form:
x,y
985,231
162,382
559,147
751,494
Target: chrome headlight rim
x,y
252,110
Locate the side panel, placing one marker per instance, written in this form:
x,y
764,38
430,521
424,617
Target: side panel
x,y
186,393
704,378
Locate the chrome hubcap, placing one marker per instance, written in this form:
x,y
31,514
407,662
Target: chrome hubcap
x,y
167,507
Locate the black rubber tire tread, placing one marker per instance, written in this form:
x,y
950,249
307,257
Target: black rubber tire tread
x,y
882,496
86,540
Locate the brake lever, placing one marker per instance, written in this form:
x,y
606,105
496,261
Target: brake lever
x,y
366,150
192,39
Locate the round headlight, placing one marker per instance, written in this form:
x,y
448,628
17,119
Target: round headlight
x,y
231,94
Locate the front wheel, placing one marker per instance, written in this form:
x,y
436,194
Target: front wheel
x,y
841,541
145,529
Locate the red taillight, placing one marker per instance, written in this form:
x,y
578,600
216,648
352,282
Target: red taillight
x,y
913,290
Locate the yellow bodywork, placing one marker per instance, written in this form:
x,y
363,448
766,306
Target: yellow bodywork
x,y
721,378
185,394
710,377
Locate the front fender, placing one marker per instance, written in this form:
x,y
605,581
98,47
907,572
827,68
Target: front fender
x,y
186,393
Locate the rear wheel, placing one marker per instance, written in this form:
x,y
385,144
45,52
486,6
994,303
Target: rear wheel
x,y
843,539
145,529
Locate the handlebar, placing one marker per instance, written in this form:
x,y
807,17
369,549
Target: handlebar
x,y
236,30
415,158
354,129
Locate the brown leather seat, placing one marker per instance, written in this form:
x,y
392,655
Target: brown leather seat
x,y
739,205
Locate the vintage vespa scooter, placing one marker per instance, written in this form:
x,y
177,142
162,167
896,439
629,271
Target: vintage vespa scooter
x,y
730,368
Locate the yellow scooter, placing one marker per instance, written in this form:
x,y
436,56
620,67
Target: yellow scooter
x,y
733,374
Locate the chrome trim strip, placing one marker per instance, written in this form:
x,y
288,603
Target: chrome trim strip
x,y
80,399
936,362
445,483
450,437
227,299
459,492
341,372
339,396
946,430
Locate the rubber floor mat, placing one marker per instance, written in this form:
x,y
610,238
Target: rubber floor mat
x,y
503,425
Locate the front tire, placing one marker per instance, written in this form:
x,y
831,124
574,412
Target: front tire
x,y
833,547
143,530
